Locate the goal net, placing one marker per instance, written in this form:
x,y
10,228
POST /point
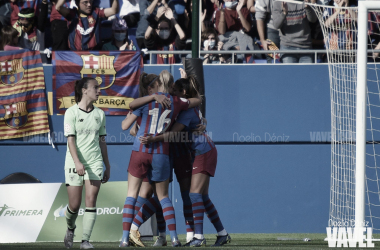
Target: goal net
x,y
349,192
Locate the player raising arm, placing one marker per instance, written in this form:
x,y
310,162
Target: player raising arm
x,y
152,160
204,164
181,160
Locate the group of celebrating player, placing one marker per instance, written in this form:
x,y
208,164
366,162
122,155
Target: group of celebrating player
x,y
164,114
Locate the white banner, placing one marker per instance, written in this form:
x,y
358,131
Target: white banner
x,y
23,210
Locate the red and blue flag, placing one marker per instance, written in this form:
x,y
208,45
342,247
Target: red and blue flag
x,y
23,110
117,73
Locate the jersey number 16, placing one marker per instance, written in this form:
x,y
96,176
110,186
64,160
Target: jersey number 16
x,y
162,121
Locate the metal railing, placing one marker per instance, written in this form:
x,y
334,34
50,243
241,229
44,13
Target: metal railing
x,y
185,53
235,52
250,52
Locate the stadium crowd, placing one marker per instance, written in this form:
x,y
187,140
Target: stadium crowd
x,y
166,25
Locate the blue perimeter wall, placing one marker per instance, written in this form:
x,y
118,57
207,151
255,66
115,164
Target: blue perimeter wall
x,y
271,125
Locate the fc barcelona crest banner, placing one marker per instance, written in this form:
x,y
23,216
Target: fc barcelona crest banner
x,y
116,72
23,110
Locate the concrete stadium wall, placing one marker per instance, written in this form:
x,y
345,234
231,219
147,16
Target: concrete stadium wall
x,y
271,125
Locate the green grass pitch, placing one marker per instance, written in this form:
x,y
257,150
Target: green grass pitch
x,y
239,242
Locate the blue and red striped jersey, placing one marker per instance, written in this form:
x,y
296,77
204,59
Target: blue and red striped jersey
x,y
156,120
84,31
344,37
199,143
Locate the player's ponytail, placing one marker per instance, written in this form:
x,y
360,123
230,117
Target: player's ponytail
x,y
194,86
166,79
79,85
145,81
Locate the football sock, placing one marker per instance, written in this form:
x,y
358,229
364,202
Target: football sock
x,y
70,218
145,212
169,215
198,213
213,215
128,212
161,224
148,209
188,211
188,214
139,203
89,218
222,233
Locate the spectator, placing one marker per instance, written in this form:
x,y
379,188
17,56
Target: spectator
x,y
293,21
119,37
181,15
265,28
340,22
166,34
204,21
59,28
209,9
31,28
186,25
317,41
148,10
251,6
210,6
9,38
178,7
235,17
130,12
374,32
18,5
373,28
376,54
233,24
252,14
84,28
210,42
5,13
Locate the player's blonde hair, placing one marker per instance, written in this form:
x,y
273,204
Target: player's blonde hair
x,y
166,79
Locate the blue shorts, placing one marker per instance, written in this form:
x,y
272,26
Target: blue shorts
x,y
154,166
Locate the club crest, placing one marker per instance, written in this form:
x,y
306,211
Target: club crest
x,y
15,115
11,72
91,20
99,67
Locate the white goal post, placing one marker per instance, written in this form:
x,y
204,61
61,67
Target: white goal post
x,y
352,36
361,107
